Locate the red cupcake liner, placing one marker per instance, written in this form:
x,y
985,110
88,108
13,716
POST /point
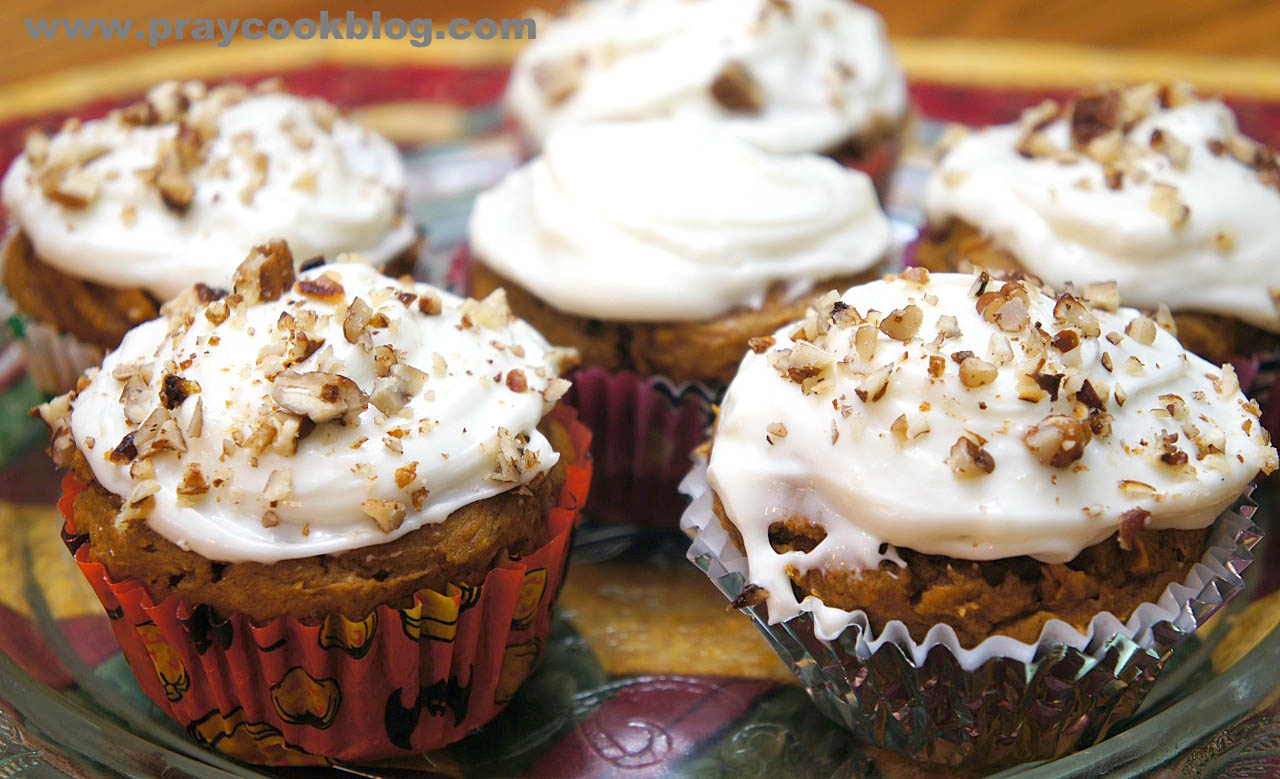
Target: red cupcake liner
x,y
879,165
401,681
643,429
643,432
1258,373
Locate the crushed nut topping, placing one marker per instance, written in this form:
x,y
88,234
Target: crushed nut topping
x,y
736,90
324,288
388,514
977,372
1057,440
321,397
1141,329
968,459
903,324
266,274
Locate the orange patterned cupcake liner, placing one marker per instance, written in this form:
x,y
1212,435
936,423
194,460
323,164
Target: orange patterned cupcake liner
x,y
400,681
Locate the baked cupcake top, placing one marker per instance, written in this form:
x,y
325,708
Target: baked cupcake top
x,y
978,419
1148,186
178,187
785,75
289,419
662,221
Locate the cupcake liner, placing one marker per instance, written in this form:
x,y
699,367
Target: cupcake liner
x,y
644,429
1258,373
1001,702
400,681
55,360
878,165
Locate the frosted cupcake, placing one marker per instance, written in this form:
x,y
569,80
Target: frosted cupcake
x,y
112,217
1149,187
659,266
790,76
994,478
356,488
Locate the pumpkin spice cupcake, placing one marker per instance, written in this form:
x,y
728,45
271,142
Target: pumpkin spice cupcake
x,y
1150,187
661,282
112,217
955,479
354,491
785,75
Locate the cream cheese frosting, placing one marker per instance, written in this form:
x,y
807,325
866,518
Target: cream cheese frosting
x,y
662,221
342,411
178,188
785,75
1148,187
961,416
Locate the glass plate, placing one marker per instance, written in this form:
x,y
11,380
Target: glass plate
x,y
646,673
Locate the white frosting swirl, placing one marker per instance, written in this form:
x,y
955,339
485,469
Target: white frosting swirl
x,y
449,430
663,221
824,68
875,472
328,186
1060,219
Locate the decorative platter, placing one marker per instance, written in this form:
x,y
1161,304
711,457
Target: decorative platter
x,y
646,673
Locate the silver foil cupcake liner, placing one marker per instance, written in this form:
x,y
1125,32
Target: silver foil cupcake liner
x,y
1002,702
54,360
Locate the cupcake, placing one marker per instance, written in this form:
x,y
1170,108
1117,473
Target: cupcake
x,y
113,217
791,76
327,514
659,266
973,514
1150,187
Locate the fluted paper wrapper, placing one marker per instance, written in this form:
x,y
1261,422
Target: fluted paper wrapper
x,y
879,164
644,429
54,360
408,678
1002,702
1258,373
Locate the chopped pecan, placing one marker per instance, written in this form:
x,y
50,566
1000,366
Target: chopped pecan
x,y
175,389
324,288
735,89
902,324
1141,329
192,486
357,319
977,372
1132,522
389,514
1057,440
968,459
1093,115
320,397
266,274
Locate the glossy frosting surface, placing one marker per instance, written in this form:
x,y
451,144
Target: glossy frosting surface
x,y
818,71
661,221
861,428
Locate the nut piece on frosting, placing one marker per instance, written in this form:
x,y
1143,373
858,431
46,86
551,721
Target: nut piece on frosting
x,y
977,419
311,411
